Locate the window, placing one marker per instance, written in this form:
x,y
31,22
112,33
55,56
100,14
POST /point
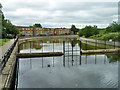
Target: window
x,y
37,28
28,28
22,28
23,32
31,28
40,29
26,31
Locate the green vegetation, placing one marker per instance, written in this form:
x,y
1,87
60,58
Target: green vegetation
x,y
37,25
8,30
2,41
113,57
107,36
74,29
88,31
110,32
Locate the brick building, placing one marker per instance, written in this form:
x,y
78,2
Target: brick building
x,y
36,31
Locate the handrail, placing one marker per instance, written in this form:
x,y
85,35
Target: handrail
x,y
7,54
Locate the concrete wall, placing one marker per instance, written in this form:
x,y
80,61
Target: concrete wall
x,y
9,70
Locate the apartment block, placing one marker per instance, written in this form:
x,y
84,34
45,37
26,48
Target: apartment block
x,y
37,31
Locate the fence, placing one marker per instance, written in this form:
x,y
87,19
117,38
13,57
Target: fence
x,y
7,54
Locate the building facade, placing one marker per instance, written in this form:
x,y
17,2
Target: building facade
x,y
37,31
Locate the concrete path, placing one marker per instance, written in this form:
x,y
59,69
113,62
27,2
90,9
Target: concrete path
x,y
3,49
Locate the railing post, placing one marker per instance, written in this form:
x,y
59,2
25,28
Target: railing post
x,y
80,48
96,44
105,44
72,48
18,45
68,49
30,46
86,44
53,46
95,59
64,47
114,44
80,59
72,53
42,46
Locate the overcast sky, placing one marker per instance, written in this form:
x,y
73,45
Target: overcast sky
x,y
61,13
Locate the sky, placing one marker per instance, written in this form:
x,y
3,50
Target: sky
x,y
61,13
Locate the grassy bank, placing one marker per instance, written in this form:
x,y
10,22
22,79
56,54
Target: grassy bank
x,y
107,36
2,41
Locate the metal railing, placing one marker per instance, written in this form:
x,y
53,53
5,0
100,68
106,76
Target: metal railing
x,y
7,54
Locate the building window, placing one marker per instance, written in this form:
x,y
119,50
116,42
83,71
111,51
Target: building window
x,y
37,28
23,32
28,28
26,31
22,28
40,29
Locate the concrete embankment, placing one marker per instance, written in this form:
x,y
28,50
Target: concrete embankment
x,y
113,43
46,37
101,51
44,54
8,72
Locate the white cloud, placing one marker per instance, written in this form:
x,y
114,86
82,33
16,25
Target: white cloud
x,y
61,13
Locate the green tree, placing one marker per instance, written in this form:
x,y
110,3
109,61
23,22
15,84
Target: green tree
x,y
88,31
8,28
74,29
37,25
114,27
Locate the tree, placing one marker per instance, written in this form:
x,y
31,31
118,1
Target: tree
x,y
8,28
114,27
74,29
88,31
37,25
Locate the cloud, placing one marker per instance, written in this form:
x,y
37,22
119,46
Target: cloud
x,y
61,13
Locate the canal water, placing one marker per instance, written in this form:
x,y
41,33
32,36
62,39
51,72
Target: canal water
x,y
71,70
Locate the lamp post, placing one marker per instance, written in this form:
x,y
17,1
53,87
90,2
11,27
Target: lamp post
x,y
5,34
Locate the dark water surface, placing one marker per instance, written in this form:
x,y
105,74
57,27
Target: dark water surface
x,y
77,71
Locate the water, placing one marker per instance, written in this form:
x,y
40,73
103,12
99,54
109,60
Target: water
x,y
67,71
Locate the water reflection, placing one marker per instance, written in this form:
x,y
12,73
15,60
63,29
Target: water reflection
x,y
87,71
71,70
40,45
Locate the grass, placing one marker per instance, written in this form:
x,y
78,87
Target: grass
x,y
107,36
2,41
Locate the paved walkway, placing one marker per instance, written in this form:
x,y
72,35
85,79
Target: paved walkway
x,y
5,47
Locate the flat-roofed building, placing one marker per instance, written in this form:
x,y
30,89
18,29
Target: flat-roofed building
x,y
25,30
36,31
